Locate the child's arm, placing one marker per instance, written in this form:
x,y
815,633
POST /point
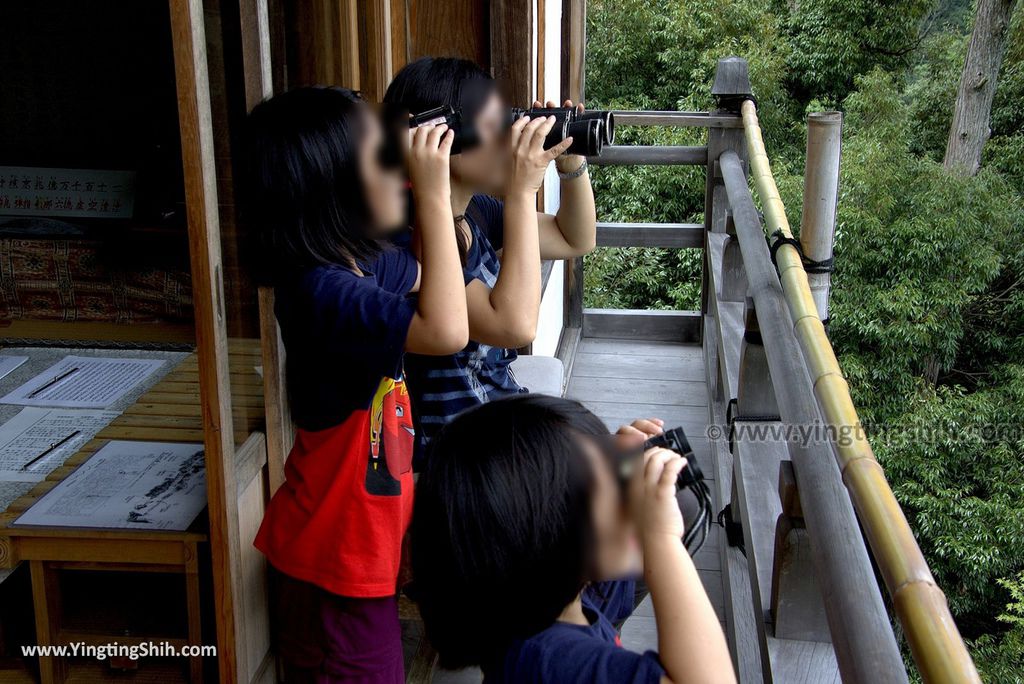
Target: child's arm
x,y
572,232
440,324
506,315
691,644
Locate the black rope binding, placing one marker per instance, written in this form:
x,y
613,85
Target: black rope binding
x,y
733,528
731,419
777,239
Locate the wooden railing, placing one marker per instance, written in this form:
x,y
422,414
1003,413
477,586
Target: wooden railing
x,y
804,601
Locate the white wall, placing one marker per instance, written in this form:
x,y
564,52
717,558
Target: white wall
x,y
549,327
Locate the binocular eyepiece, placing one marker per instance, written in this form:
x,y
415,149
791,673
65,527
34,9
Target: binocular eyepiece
x,y
590,131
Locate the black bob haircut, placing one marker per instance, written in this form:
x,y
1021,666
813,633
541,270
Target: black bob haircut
x,y
431,82
502,536
302,188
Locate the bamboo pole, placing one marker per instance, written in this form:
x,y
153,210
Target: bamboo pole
x,y
861,632
821,195
935,641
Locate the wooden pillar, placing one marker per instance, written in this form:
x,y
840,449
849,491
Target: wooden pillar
x,y
512,49
374,48
574,48
192,78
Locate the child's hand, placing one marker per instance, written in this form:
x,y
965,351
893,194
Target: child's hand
x,y
529,158
567,162
639,431
656,510
429,152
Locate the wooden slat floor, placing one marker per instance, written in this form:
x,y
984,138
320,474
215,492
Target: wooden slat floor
x,y
621,380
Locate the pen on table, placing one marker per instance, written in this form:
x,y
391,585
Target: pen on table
x,y
53,382
53,447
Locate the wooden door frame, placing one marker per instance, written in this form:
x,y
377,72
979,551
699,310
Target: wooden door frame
x,y
197,151
512,50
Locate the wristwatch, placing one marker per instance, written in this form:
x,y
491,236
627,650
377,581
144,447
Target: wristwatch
x,y
574,174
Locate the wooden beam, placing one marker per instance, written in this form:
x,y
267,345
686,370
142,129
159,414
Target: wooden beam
x,y
667,326
716,204
192,79
678,119
644,155
669,235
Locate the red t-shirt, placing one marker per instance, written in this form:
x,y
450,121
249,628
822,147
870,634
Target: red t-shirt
x,y
339,518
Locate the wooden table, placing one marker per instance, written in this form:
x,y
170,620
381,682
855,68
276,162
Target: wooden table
x,y
169,412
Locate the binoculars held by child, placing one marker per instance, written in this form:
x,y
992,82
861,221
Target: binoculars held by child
x,y
590,131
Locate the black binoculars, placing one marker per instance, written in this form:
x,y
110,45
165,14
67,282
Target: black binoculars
x,y
590,131
673,440
690,479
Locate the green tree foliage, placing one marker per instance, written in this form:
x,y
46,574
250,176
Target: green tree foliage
x,y
929,266
835,41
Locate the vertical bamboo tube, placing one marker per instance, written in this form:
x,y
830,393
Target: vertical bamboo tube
x,y
821,195
921,607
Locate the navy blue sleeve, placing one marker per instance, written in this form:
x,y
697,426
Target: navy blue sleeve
x,y
489,213
613,599
585,661
396,270
357,318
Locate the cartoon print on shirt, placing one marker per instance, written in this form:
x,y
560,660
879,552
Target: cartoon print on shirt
x,y
391,438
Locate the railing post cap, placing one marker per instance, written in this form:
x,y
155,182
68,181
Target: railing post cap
x,y
829,118
732,82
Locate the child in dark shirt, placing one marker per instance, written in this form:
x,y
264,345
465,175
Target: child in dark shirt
x,y
520,527
502,241
323,199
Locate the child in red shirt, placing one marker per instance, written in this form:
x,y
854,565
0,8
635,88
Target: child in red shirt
x,y
324,195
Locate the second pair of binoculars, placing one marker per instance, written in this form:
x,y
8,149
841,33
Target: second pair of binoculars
x,y
590,130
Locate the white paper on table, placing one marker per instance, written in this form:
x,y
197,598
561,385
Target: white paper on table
x,y
134,485
54,434
9,363
83,382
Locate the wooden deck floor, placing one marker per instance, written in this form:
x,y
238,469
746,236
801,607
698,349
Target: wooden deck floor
x,y
621,380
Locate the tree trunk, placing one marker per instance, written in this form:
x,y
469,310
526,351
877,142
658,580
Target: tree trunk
x,y
970,131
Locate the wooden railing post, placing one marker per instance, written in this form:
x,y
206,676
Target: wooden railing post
x,y
731,87
755,395
797,609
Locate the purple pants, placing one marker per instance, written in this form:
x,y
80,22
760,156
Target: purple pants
x,y
322,637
